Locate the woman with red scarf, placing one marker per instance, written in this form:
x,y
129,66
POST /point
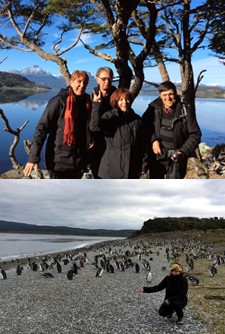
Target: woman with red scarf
x,y
65,125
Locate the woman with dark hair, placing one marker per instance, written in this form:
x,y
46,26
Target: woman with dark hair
x,y
123,135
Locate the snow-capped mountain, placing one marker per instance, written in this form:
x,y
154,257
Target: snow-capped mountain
x,y
35,70
39,76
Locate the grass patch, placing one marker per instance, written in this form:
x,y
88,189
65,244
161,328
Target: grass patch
x,y
207,300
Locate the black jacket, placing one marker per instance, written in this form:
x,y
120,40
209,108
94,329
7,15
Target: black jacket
x,y
98,149
123,135
187,134
176,288
60,157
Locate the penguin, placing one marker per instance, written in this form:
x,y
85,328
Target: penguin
x,y
70,274
59,267
149,277
47,275
137,268
99,272
3,273
19,270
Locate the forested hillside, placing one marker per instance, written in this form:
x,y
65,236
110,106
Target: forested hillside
x,y
14,227
11,80
168,224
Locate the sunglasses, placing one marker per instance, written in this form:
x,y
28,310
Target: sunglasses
x,y
105,79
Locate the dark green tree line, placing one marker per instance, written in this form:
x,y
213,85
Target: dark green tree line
x,y
166,224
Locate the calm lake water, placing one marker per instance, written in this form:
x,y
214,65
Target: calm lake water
x,y
210,115
16,245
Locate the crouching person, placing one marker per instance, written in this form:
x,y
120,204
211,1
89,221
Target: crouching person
x,y
176,287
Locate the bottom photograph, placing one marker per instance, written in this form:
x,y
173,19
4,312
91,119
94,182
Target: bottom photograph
x,y
112,256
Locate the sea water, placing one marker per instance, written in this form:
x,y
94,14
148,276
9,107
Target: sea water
x,y
17,245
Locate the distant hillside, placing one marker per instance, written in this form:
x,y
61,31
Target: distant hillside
x,y
204,91
39,76
13,227
169,224
211,92
12,80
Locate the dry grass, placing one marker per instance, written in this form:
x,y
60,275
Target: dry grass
x,y
207,300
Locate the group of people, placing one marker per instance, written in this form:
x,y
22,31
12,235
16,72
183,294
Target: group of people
x,y
102,131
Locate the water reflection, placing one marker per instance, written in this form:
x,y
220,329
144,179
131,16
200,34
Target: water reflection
x,y
210,115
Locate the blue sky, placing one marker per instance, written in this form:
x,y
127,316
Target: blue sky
x,y
80,58
108,204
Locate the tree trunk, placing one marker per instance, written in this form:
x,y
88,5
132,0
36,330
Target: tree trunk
x,y
187,75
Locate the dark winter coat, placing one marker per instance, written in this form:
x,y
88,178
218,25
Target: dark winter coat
x,y
123,135
60,157
186,131
176,288
98,137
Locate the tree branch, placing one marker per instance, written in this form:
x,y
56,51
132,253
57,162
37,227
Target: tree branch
x,y
98,54
3,60
16,133
199,79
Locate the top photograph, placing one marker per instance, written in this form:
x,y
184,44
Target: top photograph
x,y
112,89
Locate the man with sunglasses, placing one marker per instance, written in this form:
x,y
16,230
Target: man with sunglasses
x,y
103,91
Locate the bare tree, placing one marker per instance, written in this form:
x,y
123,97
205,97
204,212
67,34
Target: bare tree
x,y
30,24
139,33
129,65
16,134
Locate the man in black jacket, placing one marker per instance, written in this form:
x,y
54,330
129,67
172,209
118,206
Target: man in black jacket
x,y
65,124
172,134
176,286
103,92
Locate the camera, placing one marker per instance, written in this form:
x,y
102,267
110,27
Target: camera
x,y
173,155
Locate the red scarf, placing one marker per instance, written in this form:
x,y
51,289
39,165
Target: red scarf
x,y
71,116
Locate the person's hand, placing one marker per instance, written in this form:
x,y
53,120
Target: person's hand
x,y
177,156
144,175
141,290
97,97
28,168
166,301
156,147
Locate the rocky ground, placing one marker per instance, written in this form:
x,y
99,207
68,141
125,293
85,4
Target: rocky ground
x,y
211,168
32,303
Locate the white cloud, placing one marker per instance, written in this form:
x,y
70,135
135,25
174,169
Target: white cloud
x,y
110,204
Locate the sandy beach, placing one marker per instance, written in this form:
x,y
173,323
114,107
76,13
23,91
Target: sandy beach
x,y
32,303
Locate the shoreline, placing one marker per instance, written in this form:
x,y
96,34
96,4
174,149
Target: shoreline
x,y
86,243
11,263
